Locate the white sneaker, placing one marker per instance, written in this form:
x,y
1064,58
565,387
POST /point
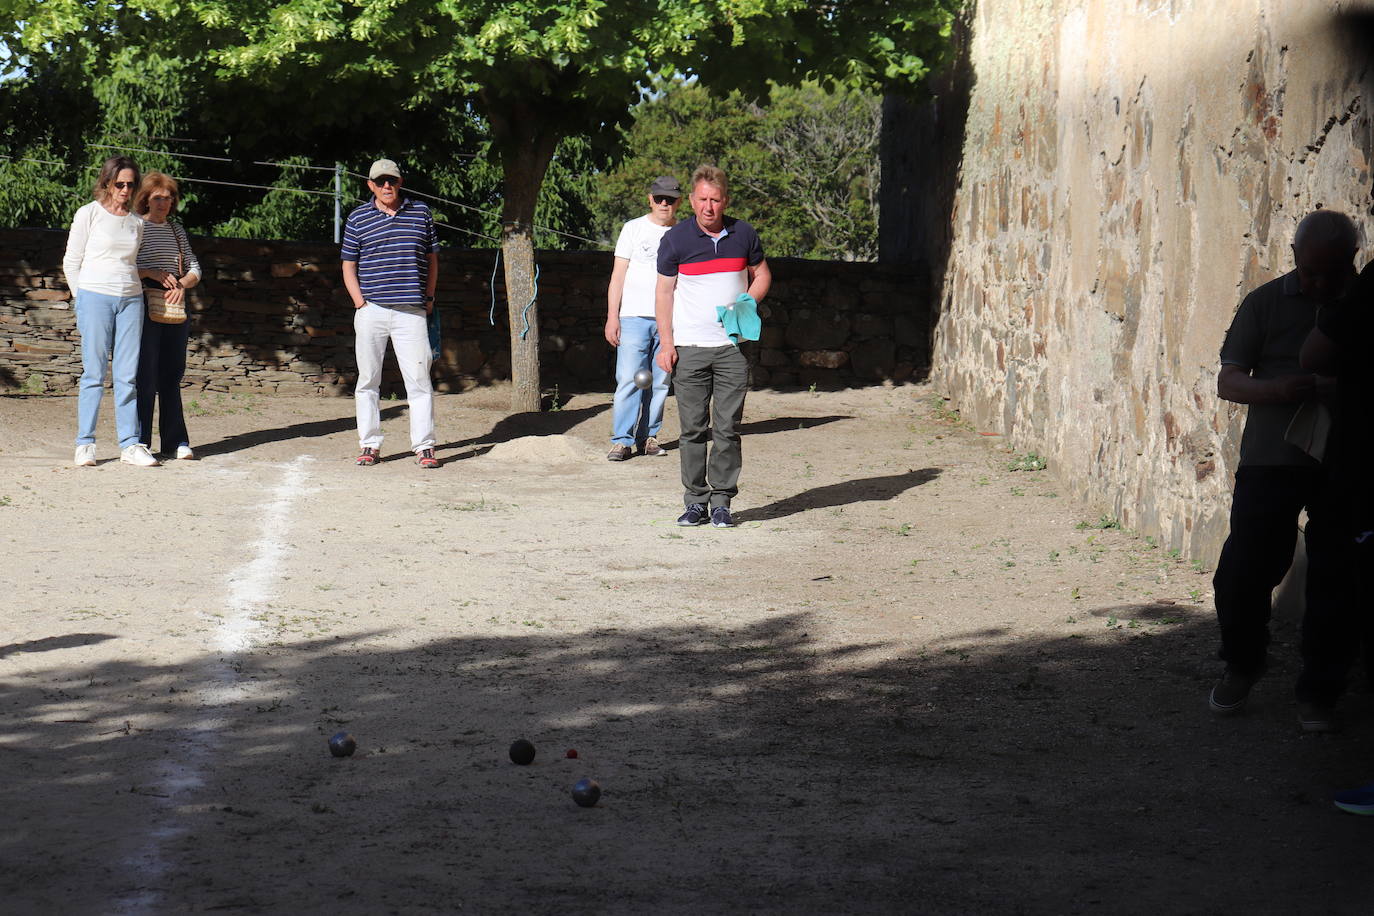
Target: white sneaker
x,y
85,455
138,454
184,453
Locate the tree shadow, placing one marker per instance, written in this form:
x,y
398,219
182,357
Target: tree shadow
x,y
869,489
313,429
1081,762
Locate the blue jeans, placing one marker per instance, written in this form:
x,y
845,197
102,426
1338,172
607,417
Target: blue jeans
x,y
109,325
635,414
161,366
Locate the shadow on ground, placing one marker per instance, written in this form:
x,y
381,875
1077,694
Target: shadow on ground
x,y
785,424
868,489
311,430
514,426
53,643
745,770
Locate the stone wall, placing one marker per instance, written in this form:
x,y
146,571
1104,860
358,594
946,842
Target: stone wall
x,y
275,317
1130,170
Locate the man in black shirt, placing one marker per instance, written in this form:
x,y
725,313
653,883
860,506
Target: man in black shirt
x,y
1276,480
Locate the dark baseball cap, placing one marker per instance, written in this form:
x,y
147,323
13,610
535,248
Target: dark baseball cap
x,y
665,186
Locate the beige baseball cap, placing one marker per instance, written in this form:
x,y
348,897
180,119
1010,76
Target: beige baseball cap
x,y
383,167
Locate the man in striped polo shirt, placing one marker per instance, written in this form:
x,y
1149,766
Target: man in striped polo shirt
x,y
705,265
390,268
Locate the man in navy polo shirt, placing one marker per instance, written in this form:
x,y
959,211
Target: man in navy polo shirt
x,y
704,264
390,268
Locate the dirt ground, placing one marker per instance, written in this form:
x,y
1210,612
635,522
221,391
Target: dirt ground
x,y
912,680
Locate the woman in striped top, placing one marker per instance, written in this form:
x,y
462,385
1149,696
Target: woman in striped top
x,y
165,259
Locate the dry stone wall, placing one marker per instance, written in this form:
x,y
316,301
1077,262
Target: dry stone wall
x,y
1130,169
274,317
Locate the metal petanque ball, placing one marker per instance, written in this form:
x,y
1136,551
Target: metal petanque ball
x,y
586,792
521,752
342,745
644,379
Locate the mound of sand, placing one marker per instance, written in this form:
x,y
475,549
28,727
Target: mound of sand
x,y
541,450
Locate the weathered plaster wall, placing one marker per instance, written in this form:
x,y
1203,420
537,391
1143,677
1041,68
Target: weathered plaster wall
x,y
1130,169
274,317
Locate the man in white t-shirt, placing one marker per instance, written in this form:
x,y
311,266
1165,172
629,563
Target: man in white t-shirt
x,y
637,415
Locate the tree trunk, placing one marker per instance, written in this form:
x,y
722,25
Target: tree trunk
x,y
526,147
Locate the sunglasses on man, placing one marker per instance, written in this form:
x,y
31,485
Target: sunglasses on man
x,y
664,199
387,181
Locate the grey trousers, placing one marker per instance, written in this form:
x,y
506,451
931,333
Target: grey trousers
x,y
710,383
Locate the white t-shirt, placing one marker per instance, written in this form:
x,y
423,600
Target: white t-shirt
x,y
102,252
638,244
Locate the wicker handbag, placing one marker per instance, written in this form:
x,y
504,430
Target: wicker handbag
x,y
159,309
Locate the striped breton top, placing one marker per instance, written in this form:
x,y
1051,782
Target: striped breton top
x,y
392,252
161,244
710,272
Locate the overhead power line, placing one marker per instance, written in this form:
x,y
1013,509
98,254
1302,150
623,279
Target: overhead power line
x,y
240,184
160,152
292,165
43,161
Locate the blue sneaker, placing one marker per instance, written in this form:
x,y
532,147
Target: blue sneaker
x,y
695,515
720,517
1356,801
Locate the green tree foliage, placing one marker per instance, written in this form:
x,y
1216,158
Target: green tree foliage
x,y
536,71
803,167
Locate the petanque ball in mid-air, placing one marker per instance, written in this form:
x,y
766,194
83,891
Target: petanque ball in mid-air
x,y
586,792
342,745
522,752
644,379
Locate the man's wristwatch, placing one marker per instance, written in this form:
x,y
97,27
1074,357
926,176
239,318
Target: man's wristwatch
x,y
429,298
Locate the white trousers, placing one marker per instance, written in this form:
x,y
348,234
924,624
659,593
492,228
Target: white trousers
x,y
408,332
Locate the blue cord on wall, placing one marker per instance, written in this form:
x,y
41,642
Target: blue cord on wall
x,y
524,313
491,315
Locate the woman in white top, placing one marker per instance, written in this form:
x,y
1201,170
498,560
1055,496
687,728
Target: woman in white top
x,y
166,260
102,273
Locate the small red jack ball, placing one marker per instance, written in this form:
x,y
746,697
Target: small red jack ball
x,y
572,753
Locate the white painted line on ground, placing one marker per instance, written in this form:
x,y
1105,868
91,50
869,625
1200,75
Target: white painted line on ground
x,y
249,587
251,584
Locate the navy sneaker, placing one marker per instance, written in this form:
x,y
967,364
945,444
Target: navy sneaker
x,y
720,517
1318,718
695,515
1356,801
1231,692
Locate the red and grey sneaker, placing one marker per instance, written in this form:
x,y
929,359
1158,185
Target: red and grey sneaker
x,y
425,458
368,457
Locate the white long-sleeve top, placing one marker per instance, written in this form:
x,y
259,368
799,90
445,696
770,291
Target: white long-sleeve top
x,y
102,252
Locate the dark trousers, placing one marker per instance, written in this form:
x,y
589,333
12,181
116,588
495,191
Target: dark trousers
x,y
710,383
161,365
1254,560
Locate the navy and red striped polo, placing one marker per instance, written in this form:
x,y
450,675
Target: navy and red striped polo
x,y
710,272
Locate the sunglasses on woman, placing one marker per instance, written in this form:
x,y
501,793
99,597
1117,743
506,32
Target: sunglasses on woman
x,y
122,185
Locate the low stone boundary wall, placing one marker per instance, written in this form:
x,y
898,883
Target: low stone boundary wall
x,y
274,317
